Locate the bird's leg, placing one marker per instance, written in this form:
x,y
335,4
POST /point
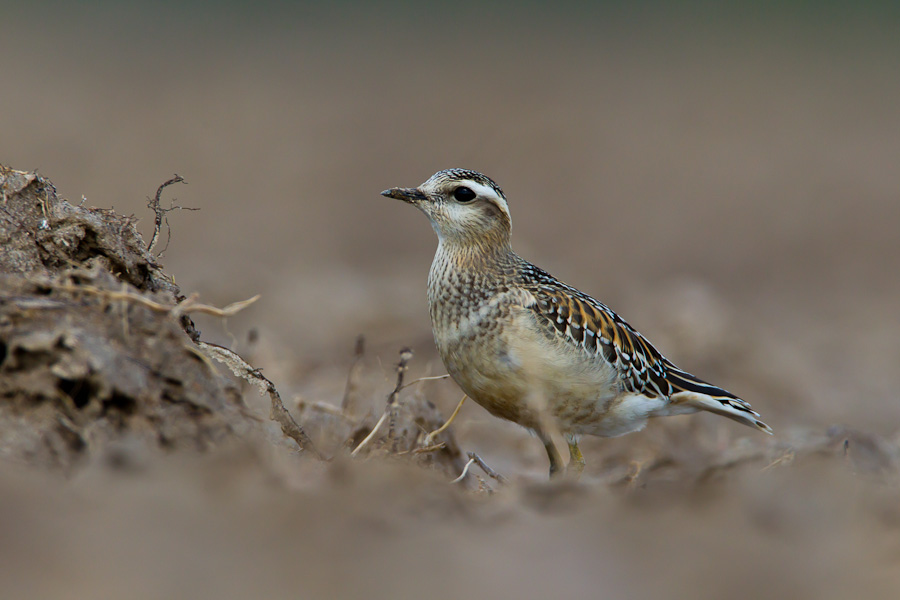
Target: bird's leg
x,y
556,464
637,467
576,458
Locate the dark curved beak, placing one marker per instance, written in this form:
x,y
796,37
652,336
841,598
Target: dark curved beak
x,y
411,195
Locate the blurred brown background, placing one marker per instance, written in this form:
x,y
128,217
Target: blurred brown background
x,y
725,179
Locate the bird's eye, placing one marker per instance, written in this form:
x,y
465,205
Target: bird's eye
x,y
463,194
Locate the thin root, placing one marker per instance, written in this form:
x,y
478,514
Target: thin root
x,y
465,471
188,305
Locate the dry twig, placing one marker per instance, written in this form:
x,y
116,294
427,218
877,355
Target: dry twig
x,y
248,373
474,459
352,388
484,467
161,213
406,355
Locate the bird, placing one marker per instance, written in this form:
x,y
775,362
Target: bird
x,y
533,350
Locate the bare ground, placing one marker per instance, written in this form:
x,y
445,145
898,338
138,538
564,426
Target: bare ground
x,y
106,381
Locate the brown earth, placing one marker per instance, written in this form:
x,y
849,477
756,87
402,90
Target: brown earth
x,y
726,182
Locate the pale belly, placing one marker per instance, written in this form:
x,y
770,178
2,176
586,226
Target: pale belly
x,y
517,373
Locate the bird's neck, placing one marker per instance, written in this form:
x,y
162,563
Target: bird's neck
x,y
485,254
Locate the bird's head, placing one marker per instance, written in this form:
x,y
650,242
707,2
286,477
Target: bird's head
x,y
463,206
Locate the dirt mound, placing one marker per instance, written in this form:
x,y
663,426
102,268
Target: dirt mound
x,y
91,349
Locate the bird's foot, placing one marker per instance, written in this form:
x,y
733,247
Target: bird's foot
x,y
576,460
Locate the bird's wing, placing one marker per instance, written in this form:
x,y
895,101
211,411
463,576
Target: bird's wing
x,y
594,328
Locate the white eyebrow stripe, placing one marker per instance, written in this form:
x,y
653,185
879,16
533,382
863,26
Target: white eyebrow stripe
x,y
480,189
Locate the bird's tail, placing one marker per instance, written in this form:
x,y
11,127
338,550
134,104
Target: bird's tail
x,y
690,392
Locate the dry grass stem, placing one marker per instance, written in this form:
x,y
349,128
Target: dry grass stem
x,y
421,379
372,433
785,459
324,407
430,437
427,449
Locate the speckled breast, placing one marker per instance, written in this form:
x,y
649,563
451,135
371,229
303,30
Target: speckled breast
x,y
493,348
471,313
